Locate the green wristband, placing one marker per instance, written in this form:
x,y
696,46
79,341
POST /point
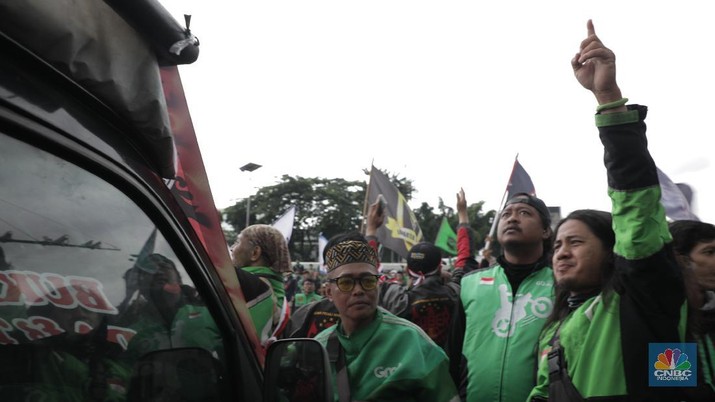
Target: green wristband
x,y
612,105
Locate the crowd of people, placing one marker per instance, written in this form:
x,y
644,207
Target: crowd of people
x,y
570,311
600,306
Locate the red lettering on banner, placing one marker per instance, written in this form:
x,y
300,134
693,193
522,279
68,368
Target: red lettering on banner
x,y
37,327
45,326
9,292
56,290
30,288
48,326
82,327
27,282
88,292
5,338
120,336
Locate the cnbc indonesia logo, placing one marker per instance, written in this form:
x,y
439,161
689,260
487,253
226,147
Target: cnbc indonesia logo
x,y
674,365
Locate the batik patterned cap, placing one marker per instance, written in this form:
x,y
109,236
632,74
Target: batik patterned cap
x,y
348,252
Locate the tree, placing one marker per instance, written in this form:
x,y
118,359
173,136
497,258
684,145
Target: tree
x,y
430,221
332,206
479,221
327,206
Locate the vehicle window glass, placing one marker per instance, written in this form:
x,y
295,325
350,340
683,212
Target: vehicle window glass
x,y
88,284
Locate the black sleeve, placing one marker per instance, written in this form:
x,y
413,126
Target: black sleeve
x,y
648,279
395,299
455,341
297,326
251,284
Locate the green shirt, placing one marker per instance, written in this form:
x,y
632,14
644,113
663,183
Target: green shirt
x,y
392,359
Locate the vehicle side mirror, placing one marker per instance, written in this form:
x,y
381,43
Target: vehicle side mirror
x,y
297,370
184,374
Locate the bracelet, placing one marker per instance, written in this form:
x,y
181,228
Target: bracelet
x,y
612,105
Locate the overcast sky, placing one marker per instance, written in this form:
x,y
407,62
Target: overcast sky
x,y
443,93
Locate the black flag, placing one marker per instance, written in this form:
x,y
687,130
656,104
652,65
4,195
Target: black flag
x,y
519,182
400,231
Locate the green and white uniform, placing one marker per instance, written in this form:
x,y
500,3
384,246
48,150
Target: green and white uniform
x,y
501,328
192,326
392,359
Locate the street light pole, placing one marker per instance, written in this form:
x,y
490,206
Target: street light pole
x,y
248,209
249,167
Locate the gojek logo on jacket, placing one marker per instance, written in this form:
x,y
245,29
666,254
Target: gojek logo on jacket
x,y
384,372
674,364
524,308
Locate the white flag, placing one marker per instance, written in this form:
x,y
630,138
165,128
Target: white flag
x,y
674,201
285,223
322,241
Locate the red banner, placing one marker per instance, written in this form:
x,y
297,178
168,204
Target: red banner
x,y
191,189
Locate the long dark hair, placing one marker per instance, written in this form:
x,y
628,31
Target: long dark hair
x,y
686,235
600,224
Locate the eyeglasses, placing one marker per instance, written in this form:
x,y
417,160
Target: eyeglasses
x,y
347,283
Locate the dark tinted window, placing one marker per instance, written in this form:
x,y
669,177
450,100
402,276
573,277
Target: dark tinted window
x,y
88,284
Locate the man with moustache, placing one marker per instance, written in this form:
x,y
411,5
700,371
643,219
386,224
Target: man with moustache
x,y
503,308
374,354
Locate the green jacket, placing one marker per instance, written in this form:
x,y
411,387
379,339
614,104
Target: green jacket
x,y
392,359
605,340
501,331
65,368
706,367
69,379
192,326
266,309
301,299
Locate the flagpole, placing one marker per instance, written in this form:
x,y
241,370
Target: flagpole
x,y
496,217
363,221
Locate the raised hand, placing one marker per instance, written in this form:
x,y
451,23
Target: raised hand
x,y
595,67
462,207
375,218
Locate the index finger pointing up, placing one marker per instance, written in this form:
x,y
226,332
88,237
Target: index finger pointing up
x,y
589,28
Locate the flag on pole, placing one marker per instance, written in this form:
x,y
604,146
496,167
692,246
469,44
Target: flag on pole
x,y
131,276
322,241
285,223
147,248
675,201
519,181
400,231
446,238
